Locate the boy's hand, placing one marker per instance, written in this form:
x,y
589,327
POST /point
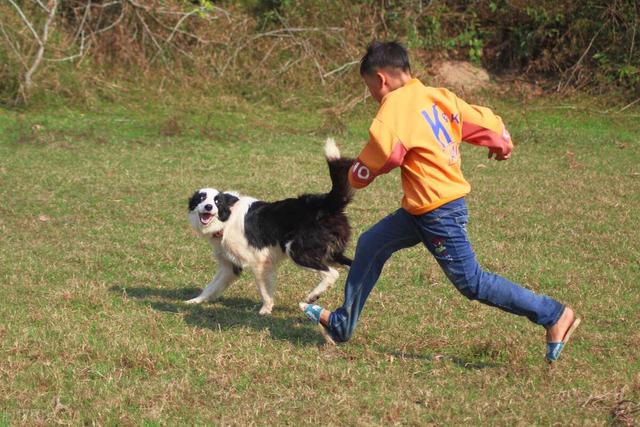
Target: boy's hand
x,y
501,153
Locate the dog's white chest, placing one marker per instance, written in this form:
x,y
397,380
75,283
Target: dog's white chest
x,y
237,249
233,251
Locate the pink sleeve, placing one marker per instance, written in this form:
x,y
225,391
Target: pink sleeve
x,y
480,126
485,137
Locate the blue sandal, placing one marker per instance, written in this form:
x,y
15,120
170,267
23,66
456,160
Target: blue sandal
x,y
555,348
313,311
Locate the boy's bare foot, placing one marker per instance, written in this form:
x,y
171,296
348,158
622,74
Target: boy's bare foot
x,y
557,332
558,335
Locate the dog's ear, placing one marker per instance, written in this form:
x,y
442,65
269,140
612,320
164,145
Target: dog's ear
x,y
196,198
224,201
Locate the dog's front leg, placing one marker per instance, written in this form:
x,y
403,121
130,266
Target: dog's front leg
x,y
223,278
266,282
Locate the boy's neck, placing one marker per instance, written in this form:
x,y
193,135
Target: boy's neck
x,y
385,81
396,81
401,79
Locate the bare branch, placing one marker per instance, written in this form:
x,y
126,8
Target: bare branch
x,y
26,21
80,30
150,33
46,9
148,30
224,12
82,51
114,24
282,32
105,5
577,64
178,31
13,47
138,5
628,105
633,42
290,64
268,54
45,36
306,46
180,21
200,9
340,68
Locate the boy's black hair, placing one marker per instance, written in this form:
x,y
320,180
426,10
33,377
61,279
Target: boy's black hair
x,y
384,55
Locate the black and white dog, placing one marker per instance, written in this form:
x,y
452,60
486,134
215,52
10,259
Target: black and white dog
x,y
244,232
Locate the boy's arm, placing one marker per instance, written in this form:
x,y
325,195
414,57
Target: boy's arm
x,y
480,126
383,152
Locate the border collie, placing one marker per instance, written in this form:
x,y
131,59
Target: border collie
x,y
312,230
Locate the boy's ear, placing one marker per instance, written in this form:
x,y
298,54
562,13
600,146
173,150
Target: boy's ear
x,y
382,79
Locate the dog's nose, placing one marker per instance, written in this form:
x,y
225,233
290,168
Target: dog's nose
x,y
208,207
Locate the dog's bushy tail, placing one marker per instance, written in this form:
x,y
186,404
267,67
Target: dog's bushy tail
x,y
341,191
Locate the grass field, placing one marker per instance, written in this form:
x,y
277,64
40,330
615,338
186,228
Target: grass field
x,y
96,259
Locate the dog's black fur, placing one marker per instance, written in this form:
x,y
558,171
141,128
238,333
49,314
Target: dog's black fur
x,y
311,228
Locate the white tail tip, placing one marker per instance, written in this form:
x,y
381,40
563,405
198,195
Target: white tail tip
x,y
331,151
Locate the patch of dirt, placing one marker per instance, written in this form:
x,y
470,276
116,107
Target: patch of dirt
x,y
461,76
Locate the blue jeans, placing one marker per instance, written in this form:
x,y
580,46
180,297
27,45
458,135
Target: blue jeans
x,y
443,231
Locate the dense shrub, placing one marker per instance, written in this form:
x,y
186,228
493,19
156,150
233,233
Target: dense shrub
x,y
267,47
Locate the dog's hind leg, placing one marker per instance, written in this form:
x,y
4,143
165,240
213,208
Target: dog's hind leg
x,y
314,260
328,278
223,278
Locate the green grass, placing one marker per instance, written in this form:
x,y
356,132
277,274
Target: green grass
x,y
96,257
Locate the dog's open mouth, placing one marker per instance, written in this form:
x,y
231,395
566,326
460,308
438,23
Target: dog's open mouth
x,y
206,218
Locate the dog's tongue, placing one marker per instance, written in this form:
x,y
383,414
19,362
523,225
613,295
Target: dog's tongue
x,y
206,216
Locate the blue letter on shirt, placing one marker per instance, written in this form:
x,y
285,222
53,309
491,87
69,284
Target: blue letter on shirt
x,y
437,126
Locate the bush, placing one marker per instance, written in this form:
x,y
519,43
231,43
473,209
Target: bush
x,y
272,48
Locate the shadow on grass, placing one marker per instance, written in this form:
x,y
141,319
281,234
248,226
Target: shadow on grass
x,y
225,313
460,361
230,313
472,365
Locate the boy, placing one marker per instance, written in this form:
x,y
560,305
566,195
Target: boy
x,y
419,129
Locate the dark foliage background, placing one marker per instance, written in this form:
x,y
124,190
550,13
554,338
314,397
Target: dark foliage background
x,y
269,49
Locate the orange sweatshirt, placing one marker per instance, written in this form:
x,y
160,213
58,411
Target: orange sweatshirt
x,y
419,129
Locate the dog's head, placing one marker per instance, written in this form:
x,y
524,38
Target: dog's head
x,y
209,209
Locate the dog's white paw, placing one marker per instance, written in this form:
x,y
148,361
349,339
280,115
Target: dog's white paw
x,y
196,300
265,310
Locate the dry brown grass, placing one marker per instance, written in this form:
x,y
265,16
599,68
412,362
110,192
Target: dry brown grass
x,y
97,259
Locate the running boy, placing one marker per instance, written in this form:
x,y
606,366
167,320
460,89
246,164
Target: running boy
x,y
419,129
